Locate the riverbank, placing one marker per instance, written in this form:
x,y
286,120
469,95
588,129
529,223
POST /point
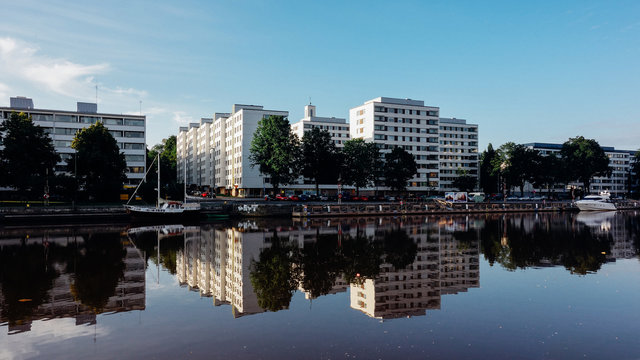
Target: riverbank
x,y
246,208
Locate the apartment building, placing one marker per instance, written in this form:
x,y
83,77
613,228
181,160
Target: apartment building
x,y
458,150
62,125
391,122
619,162
215,152
337,127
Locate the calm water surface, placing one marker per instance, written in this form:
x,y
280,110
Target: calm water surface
x,y
519,286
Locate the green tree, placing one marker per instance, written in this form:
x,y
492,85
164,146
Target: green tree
x,y
28,155
360,160
100,164
548,171
515,163
400,167
488,177
275,149
172,183
319,158
585,159
464,181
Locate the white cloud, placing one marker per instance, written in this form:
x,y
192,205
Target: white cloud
x,y
182,118
21,62
4,91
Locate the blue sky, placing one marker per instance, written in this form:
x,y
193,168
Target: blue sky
x,y
524,71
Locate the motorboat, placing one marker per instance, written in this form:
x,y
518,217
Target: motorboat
x,y
599,202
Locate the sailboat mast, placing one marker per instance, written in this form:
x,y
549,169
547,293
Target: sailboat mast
x,y
158,204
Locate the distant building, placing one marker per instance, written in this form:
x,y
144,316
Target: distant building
x,y
337,127
61,125
619,162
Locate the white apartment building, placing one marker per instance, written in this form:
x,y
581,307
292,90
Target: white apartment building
x,y
216,151
458,150
391,122
619,162
61,125
337,127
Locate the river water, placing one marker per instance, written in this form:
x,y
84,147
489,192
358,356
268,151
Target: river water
x,y
515,286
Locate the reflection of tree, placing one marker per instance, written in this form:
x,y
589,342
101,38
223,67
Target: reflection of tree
x,y
558,242
97,268
361,259
26,275
400,251
320,263
273,276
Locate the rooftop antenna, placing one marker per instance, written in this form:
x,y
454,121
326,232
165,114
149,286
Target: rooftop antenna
x,y
96,94
309,100
140,107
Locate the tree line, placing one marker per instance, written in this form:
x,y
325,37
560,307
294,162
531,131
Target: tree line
x,y
282,157
579,160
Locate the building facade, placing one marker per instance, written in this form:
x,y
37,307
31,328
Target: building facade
x,y
215,152
458,150
617,183
61,125
391,122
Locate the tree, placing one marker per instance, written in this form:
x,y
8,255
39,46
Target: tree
x,y
319,159
275,149
488,177
514,162
400,167
172,185
360,162
548,171
28,154
100,164
464,181
584,159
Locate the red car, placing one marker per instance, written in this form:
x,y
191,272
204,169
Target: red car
x,y
281,197
294,198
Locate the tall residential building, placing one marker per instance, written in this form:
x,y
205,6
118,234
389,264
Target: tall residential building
x,y
619,162
61,125
215,151
440,145
458,150
337,127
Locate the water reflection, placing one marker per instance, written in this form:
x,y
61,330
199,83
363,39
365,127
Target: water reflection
x,y
392,267
67,273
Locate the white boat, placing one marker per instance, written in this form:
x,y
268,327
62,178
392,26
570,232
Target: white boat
x,y
599,202
163,208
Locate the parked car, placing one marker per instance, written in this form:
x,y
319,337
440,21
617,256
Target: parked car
x,y
305,197
281,197
294,197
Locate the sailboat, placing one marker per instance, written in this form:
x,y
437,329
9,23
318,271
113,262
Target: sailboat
x,y
163,208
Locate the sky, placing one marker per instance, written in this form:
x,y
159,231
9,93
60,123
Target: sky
x,y
525,71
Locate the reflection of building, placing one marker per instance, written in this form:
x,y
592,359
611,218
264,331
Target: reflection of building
x,y
611,224
60,302
442,265
217,264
